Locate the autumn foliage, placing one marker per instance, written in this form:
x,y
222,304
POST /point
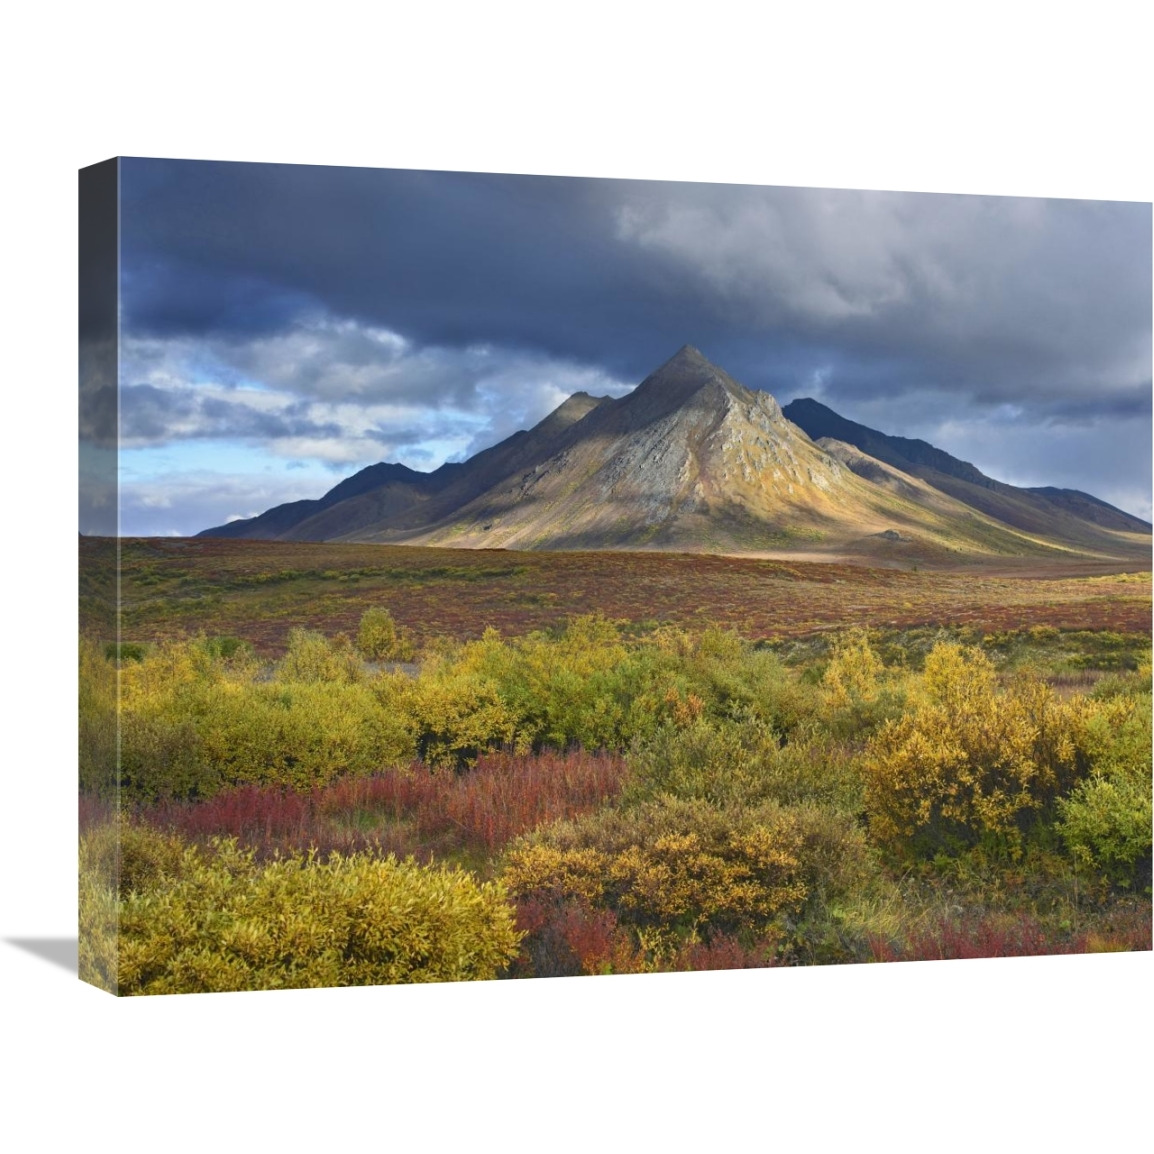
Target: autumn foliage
x,y
596,800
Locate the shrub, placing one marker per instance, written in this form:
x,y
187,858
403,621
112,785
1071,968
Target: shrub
x,y
214,919
97,721
193,724
584,686
379,639
298,735
564,939
976,936
703,759
730,678
97,923
227,648
969,763
724,952
453,714
410,810
121,651
853,673
856,693
1106,821
572,689
312,657
744,762
502,797
676,871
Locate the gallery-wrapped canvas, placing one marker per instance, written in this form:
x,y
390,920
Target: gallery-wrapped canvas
x,y
489,576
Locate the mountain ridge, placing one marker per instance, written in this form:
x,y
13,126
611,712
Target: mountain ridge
x,y
1023,508
693,460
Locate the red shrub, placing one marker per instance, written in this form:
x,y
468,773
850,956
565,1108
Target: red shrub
x,y
564,939
725,952
996,937
424,811
502,796
93,811
1125,928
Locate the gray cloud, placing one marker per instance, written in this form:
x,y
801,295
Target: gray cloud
x,y
316,390
1000,298
466,305
186,502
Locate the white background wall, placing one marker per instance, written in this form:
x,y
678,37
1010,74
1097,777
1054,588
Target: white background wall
x,y
1010,98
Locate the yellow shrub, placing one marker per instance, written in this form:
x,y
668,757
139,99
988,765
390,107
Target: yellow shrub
x,y
299,735
853,673
312,657
97,923
216,920
191,736
546,871
684,868
379,639
969,762
451,715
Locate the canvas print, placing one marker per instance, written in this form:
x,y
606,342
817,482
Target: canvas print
x,y
494,576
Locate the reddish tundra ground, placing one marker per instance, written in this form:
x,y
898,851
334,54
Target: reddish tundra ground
x,y
259,590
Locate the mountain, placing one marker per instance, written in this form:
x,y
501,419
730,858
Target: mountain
x,y
1042,510
281,520
693,460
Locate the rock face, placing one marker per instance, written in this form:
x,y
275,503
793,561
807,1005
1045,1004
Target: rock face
x,y
690,460
688,453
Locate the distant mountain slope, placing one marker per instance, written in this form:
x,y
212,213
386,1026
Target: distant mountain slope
x,y
1044,510
280,520
1092,509
397,495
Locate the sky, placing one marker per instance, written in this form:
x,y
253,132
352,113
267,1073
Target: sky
x,y
282,326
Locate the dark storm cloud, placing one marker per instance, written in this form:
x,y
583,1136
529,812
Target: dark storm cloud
x,y
998,297
430,300
444,258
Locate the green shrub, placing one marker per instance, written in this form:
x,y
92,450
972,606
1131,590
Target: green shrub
x,y
574,688
213,919
1106,821
379,639
529,694
730,678
232,649
743,761
585,686
121,651
1135,684
702,759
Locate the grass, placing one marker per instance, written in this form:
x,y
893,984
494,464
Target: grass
x,y
259,590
